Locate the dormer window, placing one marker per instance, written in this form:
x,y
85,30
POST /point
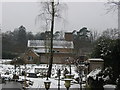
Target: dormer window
x,y
30,58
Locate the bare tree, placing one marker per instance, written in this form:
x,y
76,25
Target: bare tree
x,y
115,5
50,10
59,35
0,43
94,35
111,33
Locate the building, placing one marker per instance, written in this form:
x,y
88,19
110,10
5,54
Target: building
x,y
39,51
68,36
95,63
88,65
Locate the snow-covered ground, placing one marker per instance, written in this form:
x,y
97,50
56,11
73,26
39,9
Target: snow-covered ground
x,y
38,82
5,60
94,73
31,68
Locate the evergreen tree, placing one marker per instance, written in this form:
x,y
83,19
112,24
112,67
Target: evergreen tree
x,y
22,39
82,41
118,83
109,50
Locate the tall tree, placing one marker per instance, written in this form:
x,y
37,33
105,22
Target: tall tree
x,y
115,5
58,35
50,10
0,43
82,41
22,39
30,36
108,48
111,33
22,34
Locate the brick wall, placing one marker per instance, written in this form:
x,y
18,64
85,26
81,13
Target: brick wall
x,y
68,36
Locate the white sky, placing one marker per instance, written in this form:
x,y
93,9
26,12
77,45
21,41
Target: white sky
x,y
90,14
55,0
0,14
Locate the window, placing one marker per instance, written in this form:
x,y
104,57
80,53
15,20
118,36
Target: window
x,y
30,58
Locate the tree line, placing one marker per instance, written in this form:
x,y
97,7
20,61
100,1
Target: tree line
x,y
107,47
15,42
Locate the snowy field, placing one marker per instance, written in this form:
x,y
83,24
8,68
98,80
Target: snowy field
x,y
39,82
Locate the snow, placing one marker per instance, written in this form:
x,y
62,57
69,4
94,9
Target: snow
x,y
109,87
56,43
4,60
31,67
95,59
39,82
7,76
42,50
94,73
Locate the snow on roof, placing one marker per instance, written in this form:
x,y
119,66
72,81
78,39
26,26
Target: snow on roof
x,y
95,59
110,86
56,43
41,66
43,50
5,60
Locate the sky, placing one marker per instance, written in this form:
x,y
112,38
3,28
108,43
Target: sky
x,y
77,15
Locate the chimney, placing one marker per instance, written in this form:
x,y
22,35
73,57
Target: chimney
x,y
68,36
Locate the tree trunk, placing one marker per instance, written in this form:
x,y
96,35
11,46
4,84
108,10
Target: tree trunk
x,y
119,21
51,48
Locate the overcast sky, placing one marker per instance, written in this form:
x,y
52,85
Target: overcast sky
x,y
79,14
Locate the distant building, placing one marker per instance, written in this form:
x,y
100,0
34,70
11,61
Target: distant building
x,y
96,63
39,51
90,64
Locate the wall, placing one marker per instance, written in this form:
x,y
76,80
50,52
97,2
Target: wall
x,y
58,58
68,36
34,59
96,64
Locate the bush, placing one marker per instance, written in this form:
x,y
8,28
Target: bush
x,y
65,72
96,83
118,83
8,55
